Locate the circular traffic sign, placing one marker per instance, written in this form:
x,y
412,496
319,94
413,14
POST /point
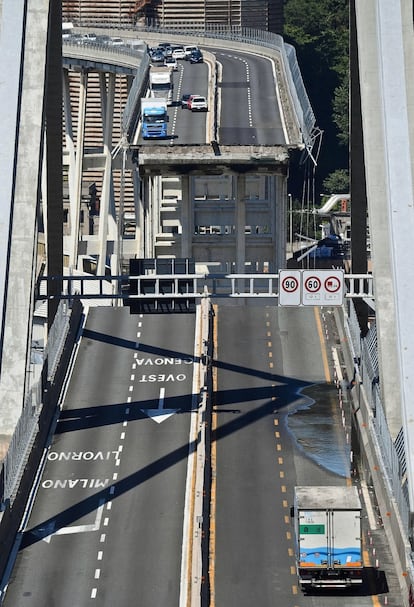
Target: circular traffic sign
x,y
290,284
332,284
312,284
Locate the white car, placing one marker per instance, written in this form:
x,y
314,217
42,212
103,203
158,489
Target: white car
x,y
197,103
171,62
116,41
178,52
188,50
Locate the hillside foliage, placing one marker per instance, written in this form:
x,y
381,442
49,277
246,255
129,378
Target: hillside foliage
x,y
319,31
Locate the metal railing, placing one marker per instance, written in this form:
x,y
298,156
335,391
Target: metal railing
x,y
188,286
27,425
365,353
132,108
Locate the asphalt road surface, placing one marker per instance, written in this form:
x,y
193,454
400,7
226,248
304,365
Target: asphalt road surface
x,y
107,523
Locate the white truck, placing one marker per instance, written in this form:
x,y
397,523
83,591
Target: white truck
x,y
328,537
154,118
161,83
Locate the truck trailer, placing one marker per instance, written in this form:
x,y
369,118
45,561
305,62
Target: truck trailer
x,y
161,83
154,118
328,537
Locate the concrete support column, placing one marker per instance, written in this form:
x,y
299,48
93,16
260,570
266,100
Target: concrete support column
x,y
187,217
386,144
156,205
69,140
139,214
240,221
279,229
145,187
53,157
77,180
107,95
149,193
25,91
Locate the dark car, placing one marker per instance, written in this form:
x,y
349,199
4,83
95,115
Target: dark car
x,y
157,57
196,56
102,39
167,50
184,100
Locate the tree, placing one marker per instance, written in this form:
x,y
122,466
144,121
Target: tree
x,y
337,182
319,30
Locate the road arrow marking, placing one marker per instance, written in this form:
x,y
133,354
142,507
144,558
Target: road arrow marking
x,y
77,528
160,414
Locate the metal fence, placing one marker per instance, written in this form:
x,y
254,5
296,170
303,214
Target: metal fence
x,y
27,425
20,445
56,339
365,354
132,107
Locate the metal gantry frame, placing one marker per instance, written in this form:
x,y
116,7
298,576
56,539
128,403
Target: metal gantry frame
x,y
190,286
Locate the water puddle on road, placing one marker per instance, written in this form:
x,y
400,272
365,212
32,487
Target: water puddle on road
x,y
318,431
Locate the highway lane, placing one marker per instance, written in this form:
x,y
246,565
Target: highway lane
x,y
189,127
107,523
185,127
249,105
265,357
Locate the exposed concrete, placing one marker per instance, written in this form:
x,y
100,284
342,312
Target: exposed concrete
x,y
11,41
200,159
385,41
100,58
233,225
19,307
376,151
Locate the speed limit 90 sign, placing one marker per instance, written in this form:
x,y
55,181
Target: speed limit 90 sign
x,y
311,287
289,287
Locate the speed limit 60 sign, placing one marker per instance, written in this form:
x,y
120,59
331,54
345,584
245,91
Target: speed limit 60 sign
x,y
311,287
323,287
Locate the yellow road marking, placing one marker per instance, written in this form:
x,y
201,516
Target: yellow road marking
x,y
323,345
213,500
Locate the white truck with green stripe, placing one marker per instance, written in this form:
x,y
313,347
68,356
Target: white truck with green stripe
x,y
328,537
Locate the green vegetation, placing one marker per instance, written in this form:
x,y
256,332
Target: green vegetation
x,y
319,31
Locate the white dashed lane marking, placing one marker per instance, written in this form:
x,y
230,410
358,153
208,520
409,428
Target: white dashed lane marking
x,y
102,539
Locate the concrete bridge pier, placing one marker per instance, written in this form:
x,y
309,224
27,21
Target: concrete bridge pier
x,y
240,217
107,217
74,207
